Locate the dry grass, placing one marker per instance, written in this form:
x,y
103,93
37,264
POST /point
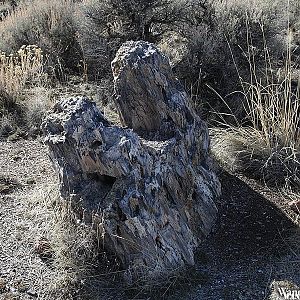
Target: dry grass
x,y
19,72
51,26
70,248
272,103
54,255
24,67
266,144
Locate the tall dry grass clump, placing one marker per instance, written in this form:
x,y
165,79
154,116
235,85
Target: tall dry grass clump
x,y
208,57
50,26
273,109
20,72
266,143
75,266
24,67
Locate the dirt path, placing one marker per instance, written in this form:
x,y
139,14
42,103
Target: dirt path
x,y
247,252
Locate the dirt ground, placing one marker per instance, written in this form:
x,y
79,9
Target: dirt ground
x,y
253,248
24,167
249,252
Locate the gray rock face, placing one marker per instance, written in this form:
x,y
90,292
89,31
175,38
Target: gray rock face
x,y
150,99
151,182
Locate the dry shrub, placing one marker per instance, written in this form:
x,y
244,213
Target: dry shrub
x,y
25,67
267,144
19,73
225,30
242,149
7,125
48,24
11,114
38,101
261,135
105,25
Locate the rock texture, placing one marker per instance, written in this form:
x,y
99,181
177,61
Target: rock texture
x,y
150,181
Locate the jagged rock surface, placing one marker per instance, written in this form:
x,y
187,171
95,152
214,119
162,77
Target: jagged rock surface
x,y
151,182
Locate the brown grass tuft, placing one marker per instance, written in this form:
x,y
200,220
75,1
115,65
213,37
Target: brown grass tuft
x,y
266,144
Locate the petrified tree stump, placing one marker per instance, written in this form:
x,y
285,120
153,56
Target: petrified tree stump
x,y
151,181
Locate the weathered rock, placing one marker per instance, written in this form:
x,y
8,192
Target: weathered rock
x,y
152,183
150,99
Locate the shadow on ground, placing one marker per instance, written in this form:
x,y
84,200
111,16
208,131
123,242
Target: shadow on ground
x,y
243,256
248,249
249,223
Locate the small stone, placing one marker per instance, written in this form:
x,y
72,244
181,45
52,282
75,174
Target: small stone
x,y
43,248
17,158
32,293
